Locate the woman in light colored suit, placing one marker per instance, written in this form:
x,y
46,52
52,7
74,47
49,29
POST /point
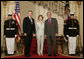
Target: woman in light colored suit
x,y
40,35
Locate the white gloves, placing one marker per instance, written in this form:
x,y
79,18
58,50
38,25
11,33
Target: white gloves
x,y
77,35
67,35
15,35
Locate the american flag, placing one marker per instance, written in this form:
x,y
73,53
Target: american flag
x,y
17,17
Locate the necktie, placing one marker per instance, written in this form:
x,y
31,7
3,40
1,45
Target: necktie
x,y
31,21
49,21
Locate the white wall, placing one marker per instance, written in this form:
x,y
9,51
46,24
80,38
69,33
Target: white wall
x,y
37,10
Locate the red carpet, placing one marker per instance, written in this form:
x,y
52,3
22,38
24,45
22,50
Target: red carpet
x,y
33,52
36,56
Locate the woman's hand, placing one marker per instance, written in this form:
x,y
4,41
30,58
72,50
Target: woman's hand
x,y
44,36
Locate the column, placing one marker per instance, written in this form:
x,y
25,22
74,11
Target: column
x,y
3,17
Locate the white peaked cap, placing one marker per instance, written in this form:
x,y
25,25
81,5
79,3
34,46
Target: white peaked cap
x,y
9,13
71,12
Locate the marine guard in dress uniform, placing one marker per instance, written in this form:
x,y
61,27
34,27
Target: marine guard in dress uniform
x,y
10,32
72,28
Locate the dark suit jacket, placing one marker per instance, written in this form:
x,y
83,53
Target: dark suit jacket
x,y
51,29
28,27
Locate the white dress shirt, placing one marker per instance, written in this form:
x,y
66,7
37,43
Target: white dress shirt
x,y
31,20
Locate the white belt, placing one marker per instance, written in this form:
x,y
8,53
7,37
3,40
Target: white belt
x,y
10,28
71,28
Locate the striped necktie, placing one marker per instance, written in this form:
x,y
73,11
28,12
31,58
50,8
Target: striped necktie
x,y
49,21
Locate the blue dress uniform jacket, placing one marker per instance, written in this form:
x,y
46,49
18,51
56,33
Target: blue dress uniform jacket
x,y
72,27
10,28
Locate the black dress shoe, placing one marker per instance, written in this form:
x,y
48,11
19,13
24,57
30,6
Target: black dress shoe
x,y
55,55
70,54
50,55
9,54
27,55
74,55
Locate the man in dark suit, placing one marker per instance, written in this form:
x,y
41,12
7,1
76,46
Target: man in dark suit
x,y
51,31
29,32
